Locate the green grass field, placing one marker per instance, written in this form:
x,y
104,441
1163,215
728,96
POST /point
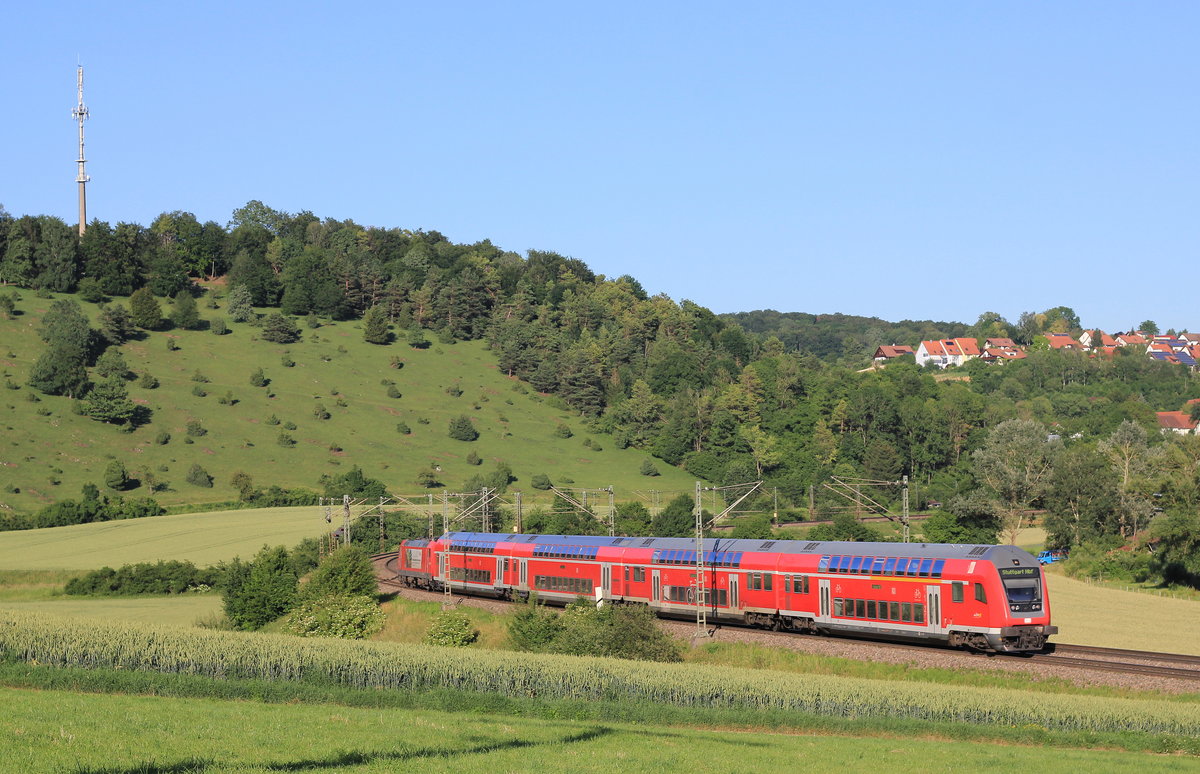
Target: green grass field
x,y
55,731
202,538
48,456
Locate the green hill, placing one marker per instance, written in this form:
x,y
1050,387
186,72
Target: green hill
x,y
48,452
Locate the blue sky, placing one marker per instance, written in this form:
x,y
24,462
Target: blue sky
x,y
905,160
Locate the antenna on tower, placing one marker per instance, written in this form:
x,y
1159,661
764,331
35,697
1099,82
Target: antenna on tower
x,y
80,114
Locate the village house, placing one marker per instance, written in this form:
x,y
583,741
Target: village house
x,y
947,352
886,352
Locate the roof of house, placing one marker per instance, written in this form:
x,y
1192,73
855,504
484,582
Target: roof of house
x,y
1003,353
1000,343
952,347
893,350
1062,341
1175,420
1126,339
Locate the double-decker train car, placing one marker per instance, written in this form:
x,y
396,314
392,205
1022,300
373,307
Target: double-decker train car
x,y
978,596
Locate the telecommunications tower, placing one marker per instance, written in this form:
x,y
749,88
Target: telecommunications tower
x,y
80,114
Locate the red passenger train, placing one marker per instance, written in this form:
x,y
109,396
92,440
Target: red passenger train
x,y
977,596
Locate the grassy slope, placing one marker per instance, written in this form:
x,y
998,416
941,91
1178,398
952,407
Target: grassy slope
x,y
202,538
58,731
1095,615
516,425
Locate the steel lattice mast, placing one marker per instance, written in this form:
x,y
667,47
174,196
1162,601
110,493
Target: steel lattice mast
x,y
80,114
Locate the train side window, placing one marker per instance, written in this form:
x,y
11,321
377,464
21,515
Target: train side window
x,y
883,611
918,612
871,611
956,591
856,564
901,564
840,562
895,610
938,566
980,594
906,612
889,566
823,565
639,574
926,565
837,606
767,578
860,608
626,574
877,568
799,584
914,566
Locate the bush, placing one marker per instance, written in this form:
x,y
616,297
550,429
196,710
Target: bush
x,y
347,572
462,429
403,428
258,592
562,431
287,362
198,476
648,468
195,429
272,420
534,627
474,459
346,617
320,412
171,577
147,381
540,481
259,379
219,326
199,391
285,440
451,628
392,391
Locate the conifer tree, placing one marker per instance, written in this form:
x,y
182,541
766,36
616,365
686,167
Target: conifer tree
x,y
145,310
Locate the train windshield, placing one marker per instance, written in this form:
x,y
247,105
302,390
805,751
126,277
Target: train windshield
x,y
1023,587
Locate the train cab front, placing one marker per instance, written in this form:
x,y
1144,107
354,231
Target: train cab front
x,y
1024,610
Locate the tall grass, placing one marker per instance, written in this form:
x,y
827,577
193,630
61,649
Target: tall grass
x,y
66,642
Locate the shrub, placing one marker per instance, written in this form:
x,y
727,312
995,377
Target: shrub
x,y
258,378
562,431
320,412
287,362
172,344
534,627
219,326
147,381
403,428
163,438
540,481
285,440
392,391
617,631
272,420
462,429
417,339
260,591
198,376
474,459
199,391
648,468
346,572
198,476
195,429
227,399
451,628
345,617
289,425
454,391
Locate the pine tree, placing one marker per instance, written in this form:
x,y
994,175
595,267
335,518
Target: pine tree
x,y
184,313
112,364
375,326
280,329
109,402
116,326
240,304
115,476
462,429
59,371
144,310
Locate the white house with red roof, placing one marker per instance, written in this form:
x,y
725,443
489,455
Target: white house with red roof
x,y
947,352
1176,422
886,352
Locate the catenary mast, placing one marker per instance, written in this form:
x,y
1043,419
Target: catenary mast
x,y
80,114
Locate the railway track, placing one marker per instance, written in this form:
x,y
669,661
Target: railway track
x,y
1175,666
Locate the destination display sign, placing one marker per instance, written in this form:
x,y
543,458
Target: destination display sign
x,y
1018,572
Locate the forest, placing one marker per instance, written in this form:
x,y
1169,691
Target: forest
x,y
757,396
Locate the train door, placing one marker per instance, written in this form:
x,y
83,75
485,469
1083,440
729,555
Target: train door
x,y
499,580
523,573
657,584
735,602
823,586
933,608
442,568
606,581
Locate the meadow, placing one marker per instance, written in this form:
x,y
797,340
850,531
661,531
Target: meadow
x,y
47,452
